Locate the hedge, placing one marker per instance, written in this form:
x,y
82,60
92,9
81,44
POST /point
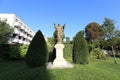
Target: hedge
x,y
13,51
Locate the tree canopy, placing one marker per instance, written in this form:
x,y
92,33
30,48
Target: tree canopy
x,y
93,31
5,32
109,28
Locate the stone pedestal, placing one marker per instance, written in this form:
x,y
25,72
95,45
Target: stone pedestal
x,y
59,61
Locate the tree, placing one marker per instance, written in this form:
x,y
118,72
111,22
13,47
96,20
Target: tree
x,y
117,33
117,37
109,28
93,31
5,32
80,49
50,42
37,52
67,40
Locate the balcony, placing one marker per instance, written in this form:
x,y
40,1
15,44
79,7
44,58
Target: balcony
x,y
25,36
20,41
22,34
25,42
14,40
22,27
17,24
16,31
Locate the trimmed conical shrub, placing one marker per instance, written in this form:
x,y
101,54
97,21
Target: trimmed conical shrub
x,y
80,49
37,52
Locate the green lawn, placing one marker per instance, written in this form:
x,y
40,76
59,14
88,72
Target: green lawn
x,y
95,70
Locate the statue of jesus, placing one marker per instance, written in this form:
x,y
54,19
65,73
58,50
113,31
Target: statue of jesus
x,y
60,33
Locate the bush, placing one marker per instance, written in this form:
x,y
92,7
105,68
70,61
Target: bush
x,y
37,52
95,50
80,49
13,51
23,50
51,49
18,51
4,51
68,51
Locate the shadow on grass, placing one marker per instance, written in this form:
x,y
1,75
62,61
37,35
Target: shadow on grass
x,y
39,73
20,71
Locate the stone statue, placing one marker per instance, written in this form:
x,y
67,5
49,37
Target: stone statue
x,y
59,61
60,33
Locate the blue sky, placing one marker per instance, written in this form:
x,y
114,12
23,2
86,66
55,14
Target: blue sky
x,y
76,14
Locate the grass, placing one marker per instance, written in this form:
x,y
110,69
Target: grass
x,y
95,70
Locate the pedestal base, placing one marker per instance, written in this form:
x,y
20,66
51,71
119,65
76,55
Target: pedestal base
x,y
60,66
59,61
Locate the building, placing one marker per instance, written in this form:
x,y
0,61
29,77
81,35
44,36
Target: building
x,y
22,34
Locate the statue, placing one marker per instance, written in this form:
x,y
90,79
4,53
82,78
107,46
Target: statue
x,y
59,61
60,33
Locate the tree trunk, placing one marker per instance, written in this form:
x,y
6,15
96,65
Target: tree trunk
x,y
113,51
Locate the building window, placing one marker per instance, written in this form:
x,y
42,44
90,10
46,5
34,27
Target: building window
x,y
19,37
14,35
23,39
16,20
25,32
16,26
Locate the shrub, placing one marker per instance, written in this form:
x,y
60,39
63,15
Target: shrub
x,y
23,50
68,51
51,49
95,50
18,51
52,55
4,51
13,51
37,52
80,49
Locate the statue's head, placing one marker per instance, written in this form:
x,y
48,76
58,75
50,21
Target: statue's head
x,y
60,32
59,26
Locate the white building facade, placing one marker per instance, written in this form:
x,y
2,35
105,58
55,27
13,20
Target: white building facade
x,y
22,34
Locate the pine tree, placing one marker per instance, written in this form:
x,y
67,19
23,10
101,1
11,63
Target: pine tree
x,y
37,52
80,49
